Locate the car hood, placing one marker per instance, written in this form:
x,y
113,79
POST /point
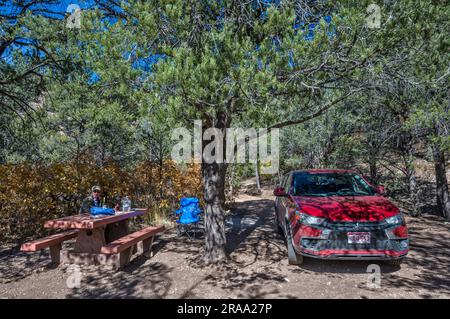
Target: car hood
x,y
347,208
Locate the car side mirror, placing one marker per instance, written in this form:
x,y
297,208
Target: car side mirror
x,y
279,192
380,189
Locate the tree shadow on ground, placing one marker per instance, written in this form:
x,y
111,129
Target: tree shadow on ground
x,y
250,240
141,278
343,266
256,252
16,265
257,267
263,215
429,256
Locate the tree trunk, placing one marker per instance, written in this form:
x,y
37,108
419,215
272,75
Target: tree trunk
x,y
213,175
407,146
442,195
258,182
213,195
412,184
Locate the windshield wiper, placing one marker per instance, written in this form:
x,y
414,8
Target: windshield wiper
x,y
351,193
313,195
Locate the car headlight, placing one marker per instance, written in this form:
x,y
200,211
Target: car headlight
x,y
309,220
395,220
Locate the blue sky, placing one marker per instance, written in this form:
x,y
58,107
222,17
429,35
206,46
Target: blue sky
x,y
56,10
60,7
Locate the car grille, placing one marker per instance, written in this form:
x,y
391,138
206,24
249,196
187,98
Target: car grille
x,y
338,239
356,226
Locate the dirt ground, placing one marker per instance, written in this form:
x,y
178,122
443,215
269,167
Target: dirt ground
x,y
258,267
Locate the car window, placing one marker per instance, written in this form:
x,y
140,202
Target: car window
x,y
283,181
287,186
330,184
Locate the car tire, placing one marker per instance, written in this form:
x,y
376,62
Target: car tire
x,y
293,257
395,262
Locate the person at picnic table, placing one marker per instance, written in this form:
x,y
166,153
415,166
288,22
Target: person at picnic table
x,y
94,200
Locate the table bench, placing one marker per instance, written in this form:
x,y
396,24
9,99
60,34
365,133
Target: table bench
x,y
103,240
122,248
54,242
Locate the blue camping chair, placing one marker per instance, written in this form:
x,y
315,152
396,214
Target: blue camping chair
x,y
188,216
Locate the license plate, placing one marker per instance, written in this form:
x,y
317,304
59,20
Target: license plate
x,y
358,238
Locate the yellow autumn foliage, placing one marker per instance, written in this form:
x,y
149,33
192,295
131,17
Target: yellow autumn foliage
x,y
32,194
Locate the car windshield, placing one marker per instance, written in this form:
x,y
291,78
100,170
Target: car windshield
x,y
330,184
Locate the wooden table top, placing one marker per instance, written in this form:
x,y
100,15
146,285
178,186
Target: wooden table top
x,y
86,221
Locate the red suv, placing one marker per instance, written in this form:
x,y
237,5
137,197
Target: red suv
x,y
337,214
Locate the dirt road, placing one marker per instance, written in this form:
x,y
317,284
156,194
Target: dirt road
x,y
258,268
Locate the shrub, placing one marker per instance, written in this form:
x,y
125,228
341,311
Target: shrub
x,y
32,194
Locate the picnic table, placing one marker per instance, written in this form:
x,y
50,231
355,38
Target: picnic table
x,y
99,239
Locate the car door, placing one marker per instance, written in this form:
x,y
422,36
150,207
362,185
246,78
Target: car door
x,y
284,202
277,200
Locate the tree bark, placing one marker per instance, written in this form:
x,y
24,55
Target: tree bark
x,y
442,194
213,195
407,146
412,183
213,175
258,182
